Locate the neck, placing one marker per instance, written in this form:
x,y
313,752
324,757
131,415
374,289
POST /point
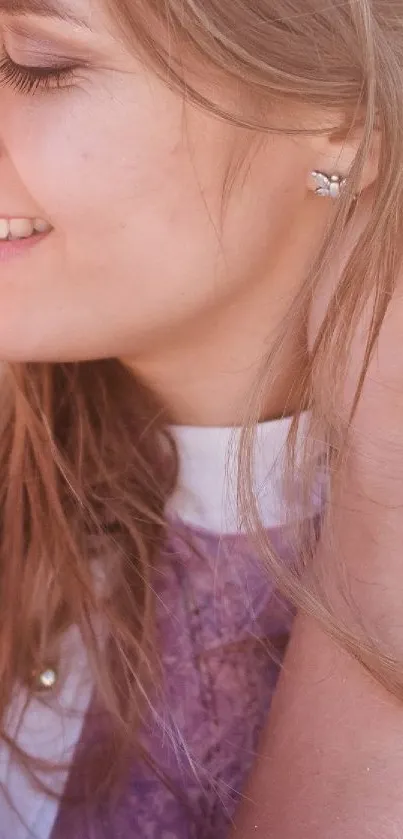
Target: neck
x,y
207,373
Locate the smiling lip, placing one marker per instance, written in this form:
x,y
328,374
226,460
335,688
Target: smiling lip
x,y
19,247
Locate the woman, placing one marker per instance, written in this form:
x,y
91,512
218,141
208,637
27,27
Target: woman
x,y
176,177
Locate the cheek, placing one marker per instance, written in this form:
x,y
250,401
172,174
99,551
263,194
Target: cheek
x,y
129,191
267,199
94,163
82,165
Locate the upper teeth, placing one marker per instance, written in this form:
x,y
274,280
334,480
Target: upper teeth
x,y
22,228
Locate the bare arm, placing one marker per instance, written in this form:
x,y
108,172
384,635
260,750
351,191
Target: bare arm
x,y
331,759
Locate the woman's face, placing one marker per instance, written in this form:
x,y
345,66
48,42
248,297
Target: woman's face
x,y
144,237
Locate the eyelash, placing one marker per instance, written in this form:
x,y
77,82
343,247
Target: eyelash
x,y
30,80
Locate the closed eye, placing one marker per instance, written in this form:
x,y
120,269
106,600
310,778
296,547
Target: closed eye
x,y
30,80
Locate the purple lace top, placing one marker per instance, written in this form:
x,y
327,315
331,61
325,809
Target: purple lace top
x,y
222,631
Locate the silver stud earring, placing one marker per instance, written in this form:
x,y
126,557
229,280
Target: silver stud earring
x,y
328,186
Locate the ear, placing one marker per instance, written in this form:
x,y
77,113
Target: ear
x,y
336,155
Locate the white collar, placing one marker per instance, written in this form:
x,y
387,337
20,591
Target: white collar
x,y
206,495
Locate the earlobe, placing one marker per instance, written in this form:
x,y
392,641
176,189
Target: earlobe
x,y
336,159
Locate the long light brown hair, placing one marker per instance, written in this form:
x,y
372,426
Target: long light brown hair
x,y
85,451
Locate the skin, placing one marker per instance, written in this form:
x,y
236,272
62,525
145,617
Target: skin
x,y
331,757
146,261
144,264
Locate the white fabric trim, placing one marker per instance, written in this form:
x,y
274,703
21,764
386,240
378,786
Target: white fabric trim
x,y
206,495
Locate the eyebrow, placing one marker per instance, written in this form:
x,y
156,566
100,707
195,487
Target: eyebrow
x,y
40,8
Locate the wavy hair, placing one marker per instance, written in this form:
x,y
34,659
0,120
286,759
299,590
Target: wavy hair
x,y
85,450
